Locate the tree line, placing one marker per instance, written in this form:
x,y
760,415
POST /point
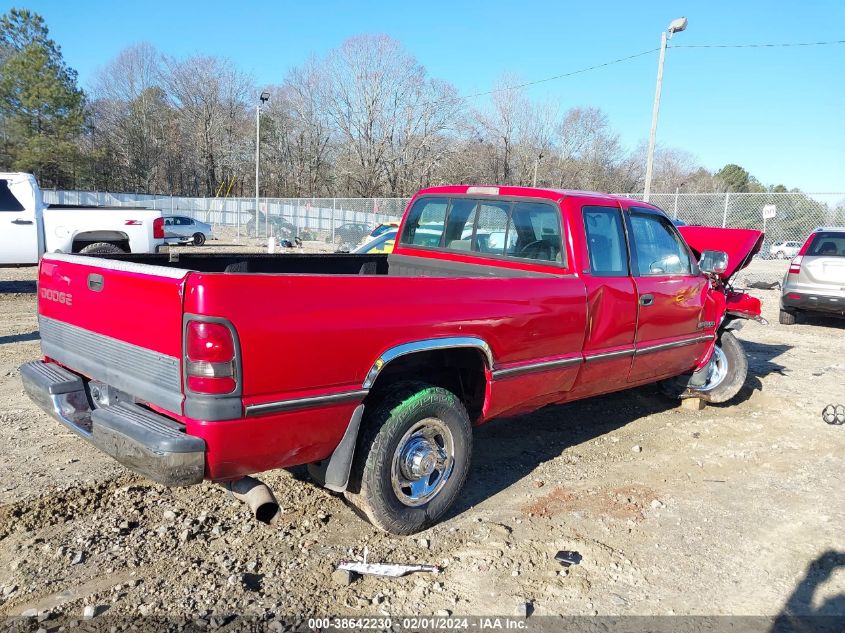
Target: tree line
x,y
364,120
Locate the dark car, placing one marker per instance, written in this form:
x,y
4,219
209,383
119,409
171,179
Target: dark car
x,y
278,226
350,235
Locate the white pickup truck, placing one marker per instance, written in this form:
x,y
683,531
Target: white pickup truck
x,y
28,228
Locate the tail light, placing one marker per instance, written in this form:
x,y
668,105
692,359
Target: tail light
x,y
795,265
210,358
158,228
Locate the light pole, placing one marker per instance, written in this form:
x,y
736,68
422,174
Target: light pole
x,y
265,96
676,26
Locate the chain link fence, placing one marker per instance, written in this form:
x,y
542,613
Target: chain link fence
x,y
330,219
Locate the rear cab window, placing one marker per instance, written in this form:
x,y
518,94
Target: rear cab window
x,y
827,244
488,227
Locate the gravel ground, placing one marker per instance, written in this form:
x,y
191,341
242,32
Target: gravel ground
x,y
733,509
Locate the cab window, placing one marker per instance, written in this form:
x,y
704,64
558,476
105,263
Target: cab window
x,y
521,230
425,222
657,247
534,232
606,241
491,227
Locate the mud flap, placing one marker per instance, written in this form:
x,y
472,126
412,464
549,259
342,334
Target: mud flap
x,y
333,473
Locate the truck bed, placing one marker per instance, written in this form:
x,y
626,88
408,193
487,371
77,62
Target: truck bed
x,y
313,264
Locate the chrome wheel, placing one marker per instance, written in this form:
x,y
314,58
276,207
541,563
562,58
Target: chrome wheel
x,y
717,370
423,462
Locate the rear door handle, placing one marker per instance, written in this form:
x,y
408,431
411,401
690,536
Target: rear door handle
x,y
646,300
21,221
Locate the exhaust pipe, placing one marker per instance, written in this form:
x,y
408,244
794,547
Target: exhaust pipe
x,y
256,495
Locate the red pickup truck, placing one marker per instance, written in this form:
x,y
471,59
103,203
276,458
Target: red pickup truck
x,y
373,369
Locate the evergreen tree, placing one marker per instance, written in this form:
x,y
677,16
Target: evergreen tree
x,y
41,108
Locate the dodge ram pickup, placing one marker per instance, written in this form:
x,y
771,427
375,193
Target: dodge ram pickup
x,y
373,369
29,228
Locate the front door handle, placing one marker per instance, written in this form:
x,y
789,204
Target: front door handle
x,y
19,221
646,300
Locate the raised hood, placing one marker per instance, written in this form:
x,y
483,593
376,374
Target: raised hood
x,y
740,244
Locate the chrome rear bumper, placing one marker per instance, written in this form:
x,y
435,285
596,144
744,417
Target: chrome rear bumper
x,y
150,444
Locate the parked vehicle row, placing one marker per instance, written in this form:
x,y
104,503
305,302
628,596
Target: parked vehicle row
x,y
494,302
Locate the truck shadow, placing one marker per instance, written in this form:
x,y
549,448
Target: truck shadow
x,y
18,287
20,338
760,364
507,449
799,614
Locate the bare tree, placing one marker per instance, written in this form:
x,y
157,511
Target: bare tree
x,y
387,114
365,120
210,96
131,114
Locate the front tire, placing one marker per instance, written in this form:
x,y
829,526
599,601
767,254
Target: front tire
x,y
199,239
412,458
720,380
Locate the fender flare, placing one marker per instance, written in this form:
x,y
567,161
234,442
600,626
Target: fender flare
x,y
333,472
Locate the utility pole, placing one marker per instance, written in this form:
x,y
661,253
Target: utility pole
x,y
536,163
261,100
676,26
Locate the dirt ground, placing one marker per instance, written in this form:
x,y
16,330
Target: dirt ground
x,y
734,509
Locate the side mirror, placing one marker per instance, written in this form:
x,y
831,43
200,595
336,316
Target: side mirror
x,y
713,262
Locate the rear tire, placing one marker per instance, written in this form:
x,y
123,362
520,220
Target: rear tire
x,y
414,426
727,378
199,239
101,248
787,317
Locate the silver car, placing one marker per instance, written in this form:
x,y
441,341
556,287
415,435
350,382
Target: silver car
x,y
815,281
184,230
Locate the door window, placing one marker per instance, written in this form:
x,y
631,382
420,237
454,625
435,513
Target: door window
x,y
657,247
606,241
8,201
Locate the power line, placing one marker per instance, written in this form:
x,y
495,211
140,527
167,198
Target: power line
x,y
621,60
541,81
772,45
629,57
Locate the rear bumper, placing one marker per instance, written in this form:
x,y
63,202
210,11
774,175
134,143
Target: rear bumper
x,y
815,302
145,442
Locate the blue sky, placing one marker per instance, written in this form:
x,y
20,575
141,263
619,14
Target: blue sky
x,y
779,112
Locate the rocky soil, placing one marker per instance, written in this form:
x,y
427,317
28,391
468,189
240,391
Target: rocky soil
x,y
734,509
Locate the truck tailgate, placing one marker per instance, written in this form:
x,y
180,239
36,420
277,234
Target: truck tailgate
x,y
115,321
